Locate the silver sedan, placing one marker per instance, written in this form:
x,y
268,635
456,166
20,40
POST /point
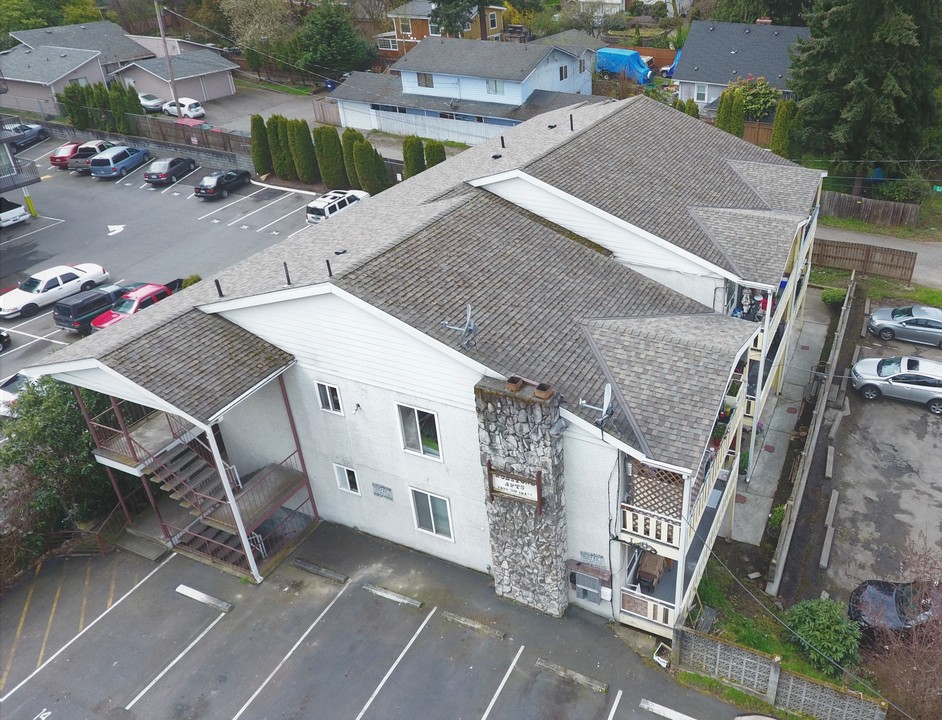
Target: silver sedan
x,y
902,378
916,323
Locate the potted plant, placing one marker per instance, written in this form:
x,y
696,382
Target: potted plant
x,y
776,517
743,464
719,430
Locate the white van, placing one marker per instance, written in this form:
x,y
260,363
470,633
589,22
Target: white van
x,y
329,204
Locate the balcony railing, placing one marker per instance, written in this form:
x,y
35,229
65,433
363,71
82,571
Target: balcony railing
x,y
642,523
634,602
23,173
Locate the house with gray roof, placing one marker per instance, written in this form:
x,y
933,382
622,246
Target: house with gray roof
x,y
526,360
34,75
717,53
199,74
465,90
115,48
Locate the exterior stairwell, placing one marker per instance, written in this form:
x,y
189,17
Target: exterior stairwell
x,y
189,479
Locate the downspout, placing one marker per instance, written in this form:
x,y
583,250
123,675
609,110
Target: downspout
x,y
230,498
760,383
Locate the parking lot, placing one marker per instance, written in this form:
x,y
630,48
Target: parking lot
x,y
111,637
137,231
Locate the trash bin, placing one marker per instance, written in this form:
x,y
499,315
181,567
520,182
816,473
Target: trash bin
x,y
331,84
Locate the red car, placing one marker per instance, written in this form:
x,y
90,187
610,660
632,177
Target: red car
x,y
60,156
130,303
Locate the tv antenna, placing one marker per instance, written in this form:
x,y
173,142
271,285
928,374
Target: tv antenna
x,y
606,411
468,330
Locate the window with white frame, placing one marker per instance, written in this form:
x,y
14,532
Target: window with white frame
x,y
701,93
387,43
419,431
563,72
330,398
495,87
434,28
581,65
347,479
492,20
432,514
467,26
405,26
425,80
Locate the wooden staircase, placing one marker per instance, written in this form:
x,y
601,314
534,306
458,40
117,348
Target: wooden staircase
x,y
189,479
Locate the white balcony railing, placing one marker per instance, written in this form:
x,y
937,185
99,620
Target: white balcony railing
x,y
641,523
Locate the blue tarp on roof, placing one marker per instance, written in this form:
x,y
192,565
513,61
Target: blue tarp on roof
x,y
619,60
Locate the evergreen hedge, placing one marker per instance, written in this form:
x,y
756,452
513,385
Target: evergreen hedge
x,y
274,144
351,136
302,149
370,168
782,128
413,154
737,115
329,154
434,153
261,152
691,108
287,161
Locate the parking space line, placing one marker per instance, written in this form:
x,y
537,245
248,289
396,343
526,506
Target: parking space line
x,y
89,627
35,340
19,628
114,578
33,232
173,185
395,665
290,653
263,207
224,207
177,659
297,231
282,218
88,582
611,715
503,682
52,616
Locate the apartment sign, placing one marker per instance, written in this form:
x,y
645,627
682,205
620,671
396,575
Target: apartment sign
x,y
518,487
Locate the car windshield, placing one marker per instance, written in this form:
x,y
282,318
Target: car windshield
x,y
148,98
30,285
316,211
15,383
888,366
903,312
124,306
912,601
159,165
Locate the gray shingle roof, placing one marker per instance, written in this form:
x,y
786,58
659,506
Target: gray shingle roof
x,y
43,65
717,53
386,89
104,36
413,8
474,58
185,65
234,361
682,163
572,39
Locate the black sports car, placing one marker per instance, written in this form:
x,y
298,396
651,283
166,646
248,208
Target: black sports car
x,y
882,605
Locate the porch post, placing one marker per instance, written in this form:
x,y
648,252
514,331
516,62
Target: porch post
x,y
124,428
84,409
230,498
117,491
685,532
153,504
297,442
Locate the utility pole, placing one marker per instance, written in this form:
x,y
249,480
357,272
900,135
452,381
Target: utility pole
x,y
163,39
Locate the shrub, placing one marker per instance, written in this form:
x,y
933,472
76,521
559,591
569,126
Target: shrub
x,y
691,108
758,96
737,115
261,152
723,109
284,146
278,154
776,517
347,140
329,153
413,154
833,297
370,168
191,280
302,150
782,128
908,190
434,153
825,633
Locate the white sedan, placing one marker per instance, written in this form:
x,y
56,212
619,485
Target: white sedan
x,y
50,286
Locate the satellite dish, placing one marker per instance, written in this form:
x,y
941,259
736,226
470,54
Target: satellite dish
x,y
468,330
606,411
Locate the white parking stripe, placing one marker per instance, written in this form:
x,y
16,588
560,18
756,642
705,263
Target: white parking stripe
x,y
175,661
31,232
395,665
263,207
664,712
504,682
87,628
180,181
290,653
615,706
282,218
29,320
229,205
297,231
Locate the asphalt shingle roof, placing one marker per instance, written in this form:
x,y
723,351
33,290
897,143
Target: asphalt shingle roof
x,y
106,37
413,8
474,58
42,64
185,65
717,53
386,89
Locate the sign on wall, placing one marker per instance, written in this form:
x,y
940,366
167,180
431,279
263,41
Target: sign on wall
x,y
516,487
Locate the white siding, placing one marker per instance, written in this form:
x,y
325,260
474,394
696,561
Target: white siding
x,y
361,117
463,88
629,248
688,91
546,75
256,431
591,502
357,115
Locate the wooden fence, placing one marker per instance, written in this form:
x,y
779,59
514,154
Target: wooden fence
x,y
754,131
865,259
326,111
877,212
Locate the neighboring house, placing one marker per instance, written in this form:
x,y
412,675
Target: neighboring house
x,y
14,173
465,90
199,74
441,382
601,8
412,23
114,46
572,39
35,74
717,53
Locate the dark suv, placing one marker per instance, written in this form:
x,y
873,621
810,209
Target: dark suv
x,y
75,314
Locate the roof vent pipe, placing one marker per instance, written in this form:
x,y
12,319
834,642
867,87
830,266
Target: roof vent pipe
x,y
218,288
571,127
503,147
287,276
330,273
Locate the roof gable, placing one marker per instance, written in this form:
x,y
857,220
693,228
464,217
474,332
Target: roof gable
x,y
42,64
104,36
718,53
474,58
185,65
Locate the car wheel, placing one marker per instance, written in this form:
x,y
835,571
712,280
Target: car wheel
x,y
88,285
123,172
870,392
606,76
225,193
192,166
173,178
935,406
887,334
29,310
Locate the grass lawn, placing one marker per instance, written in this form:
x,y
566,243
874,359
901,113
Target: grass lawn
x,y
878,288
276,87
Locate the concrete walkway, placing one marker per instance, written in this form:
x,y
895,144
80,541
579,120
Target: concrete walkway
x,y
928,269
754,499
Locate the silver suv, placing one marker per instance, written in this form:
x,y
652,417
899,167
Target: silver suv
x,y
916,323
902,378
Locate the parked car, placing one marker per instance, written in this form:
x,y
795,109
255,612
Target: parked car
x,y
916,323
898,607
118,161
190,108
329,204
168,170
5,340
150,103
11,213
219,183
80,160
902,378
75,314
10,388
50,286
130,303
31,134
60,156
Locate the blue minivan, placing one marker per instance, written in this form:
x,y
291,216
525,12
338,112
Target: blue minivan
x,y
117,161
